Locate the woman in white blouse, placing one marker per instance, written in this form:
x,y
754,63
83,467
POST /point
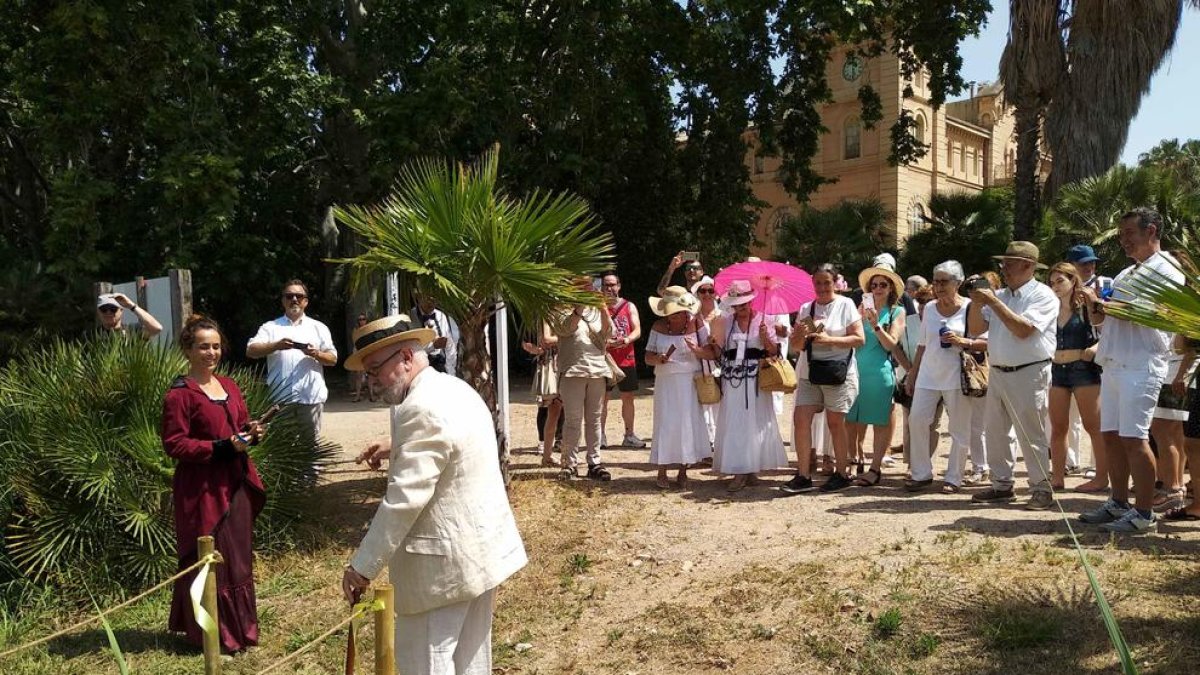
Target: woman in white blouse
x,y
936,377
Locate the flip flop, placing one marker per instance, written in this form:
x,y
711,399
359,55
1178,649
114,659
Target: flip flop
x,y
864,480
1090,491
1180,514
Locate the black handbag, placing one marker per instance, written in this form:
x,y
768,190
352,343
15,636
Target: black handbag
x,y
822,371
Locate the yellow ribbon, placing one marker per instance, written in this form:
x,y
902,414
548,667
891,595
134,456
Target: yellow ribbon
x,y
203,618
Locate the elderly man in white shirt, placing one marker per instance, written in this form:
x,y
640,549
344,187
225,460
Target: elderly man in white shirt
x,y
1021,322
296,347
1135,364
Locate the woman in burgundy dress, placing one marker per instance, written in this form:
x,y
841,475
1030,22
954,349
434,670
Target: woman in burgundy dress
x,y
206,429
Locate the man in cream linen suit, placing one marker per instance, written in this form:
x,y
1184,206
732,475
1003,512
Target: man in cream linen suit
x,y
444,528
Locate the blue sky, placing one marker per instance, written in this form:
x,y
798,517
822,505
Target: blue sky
x,y
1167,110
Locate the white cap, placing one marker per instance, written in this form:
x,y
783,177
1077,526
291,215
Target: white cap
x,y
884,260
107,300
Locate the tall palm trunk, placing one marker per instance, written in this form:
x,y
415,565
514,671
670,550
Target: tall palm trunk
x,y
1025,181
477,371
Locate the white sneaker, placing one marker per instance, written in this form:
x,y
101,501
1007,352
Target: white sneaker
x,y
1132,523
632,441
888,461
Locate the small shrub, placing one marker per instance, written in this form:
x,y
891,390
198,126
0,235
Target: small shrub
x,y
1013,628
924,645
888,623
579,563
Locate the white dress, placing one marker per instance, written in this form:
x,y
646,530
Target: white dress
x,y
748,439
680,435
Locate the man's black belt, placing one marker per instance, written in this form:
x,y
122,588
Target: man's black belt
x,y
1013,369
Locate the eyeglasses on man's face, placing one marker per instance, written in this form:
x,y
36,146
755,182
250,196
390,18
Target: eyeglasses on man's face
x,y
373,371
109,309
294,296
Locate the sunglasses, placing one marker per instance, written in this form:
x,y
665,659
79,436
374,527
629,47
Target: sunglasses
x,y
109,309
879,284
705,291
294,296
693,266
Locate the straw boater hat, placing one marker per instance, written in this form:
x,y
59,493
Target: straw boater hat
x,y
865,276
674,299
380,333
1022,250
740,292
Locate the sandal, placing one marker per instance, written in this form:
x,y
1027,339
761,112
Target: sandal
x,y
950,489
598,472
1179,514
827,466
1092,487
738,482
550,461
566,473
865,479
917,485
662,483
681,481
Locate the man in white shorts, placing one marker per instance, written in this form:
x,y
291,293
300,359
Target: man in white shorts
x,y
1134,358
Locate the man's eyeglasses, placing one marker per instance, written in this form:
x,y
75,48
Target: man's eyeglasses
x,y
693,266
941,282
109,309
294,296
374,370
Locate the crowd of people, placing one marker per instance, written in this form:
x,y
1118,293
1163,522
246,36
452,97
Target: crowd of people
x,y
1019,367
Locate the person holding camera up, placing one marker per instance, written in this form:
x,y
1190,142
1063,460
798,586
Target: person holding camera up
x,y
443,351
1021,323
296,347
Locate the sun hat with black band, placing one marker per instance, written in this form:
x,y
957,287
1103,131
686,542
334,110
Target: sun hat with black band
x,y
1022,250
383,332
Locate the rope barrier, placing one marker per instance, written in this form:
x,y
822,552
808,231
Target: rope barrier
x,y
209,559
359,610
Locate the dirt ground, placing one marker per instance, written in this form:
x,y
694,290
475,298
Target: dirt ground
x,y
625,578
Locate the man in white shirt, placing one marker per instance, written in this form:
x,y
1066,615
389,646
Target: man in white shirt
x,y
296,347
1021,322
443,351
1134,358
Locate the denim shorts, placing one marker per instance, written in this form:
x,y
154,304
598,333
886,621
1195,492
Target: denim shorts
x,y
1075,374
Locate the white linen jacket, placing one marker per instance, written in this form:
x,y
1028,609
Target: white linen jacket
x,y
445,525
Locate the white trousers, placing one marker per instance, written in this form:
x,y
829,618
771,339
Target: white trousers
x,y
1019,401
451,640
958,412
978,407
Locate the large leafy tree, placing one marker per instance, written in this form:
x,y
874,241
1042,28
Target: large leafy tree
x,y
138,136
452,232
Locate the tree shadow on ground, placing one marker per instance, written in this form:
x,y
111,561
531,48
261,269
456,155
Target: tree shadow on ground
x,y
131,640
345,507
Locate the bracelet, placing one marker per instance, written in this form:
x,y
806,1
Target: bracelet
x,y
243,439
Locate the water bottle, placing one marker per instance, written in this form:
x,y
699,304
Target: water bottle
x,y
942,333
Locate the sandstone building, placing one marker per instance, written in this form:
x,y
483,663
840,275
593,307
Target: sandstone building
x,y
971,146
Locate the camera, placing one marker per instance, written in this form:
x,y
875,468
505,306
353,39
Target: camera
x,y
979,284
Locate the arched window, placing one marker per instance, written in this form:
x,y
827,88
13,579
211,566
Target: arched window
x,y
920,127
987,120
852,139
916,216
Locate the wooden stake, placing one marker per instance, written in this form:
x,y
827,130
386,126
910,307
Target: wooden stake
x,y
385,631
212,641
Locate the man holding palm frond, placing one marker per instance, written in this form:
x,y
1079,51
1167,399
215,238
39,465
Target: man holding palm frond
x,y
1134,358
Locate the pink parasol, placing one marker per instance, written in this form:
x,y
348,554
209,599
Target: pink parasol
x,y
778,288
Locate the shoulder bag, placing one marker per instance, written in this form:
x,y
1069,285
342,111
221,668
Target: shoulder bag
x,y
825,372
708,389
973,370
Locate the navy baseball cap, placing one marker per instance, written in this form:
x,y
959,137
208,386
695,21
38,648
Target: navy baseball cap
x,y
1081,253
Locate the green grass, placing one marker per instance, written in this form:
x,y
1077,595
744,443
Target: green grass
x,y
888,623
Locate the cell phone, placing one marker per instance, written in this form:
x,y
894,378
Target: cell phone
x,y
1106,288
300,345
980,284
668,353
269,414
691,255
868,301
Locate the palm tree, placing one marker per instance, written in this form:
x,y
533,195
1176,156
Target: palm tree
x,y
1079,70
451,232
847,234
967,227
1087,211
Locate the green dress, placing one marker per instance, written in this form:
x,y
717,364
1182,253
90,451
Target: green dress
x,y
876,377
